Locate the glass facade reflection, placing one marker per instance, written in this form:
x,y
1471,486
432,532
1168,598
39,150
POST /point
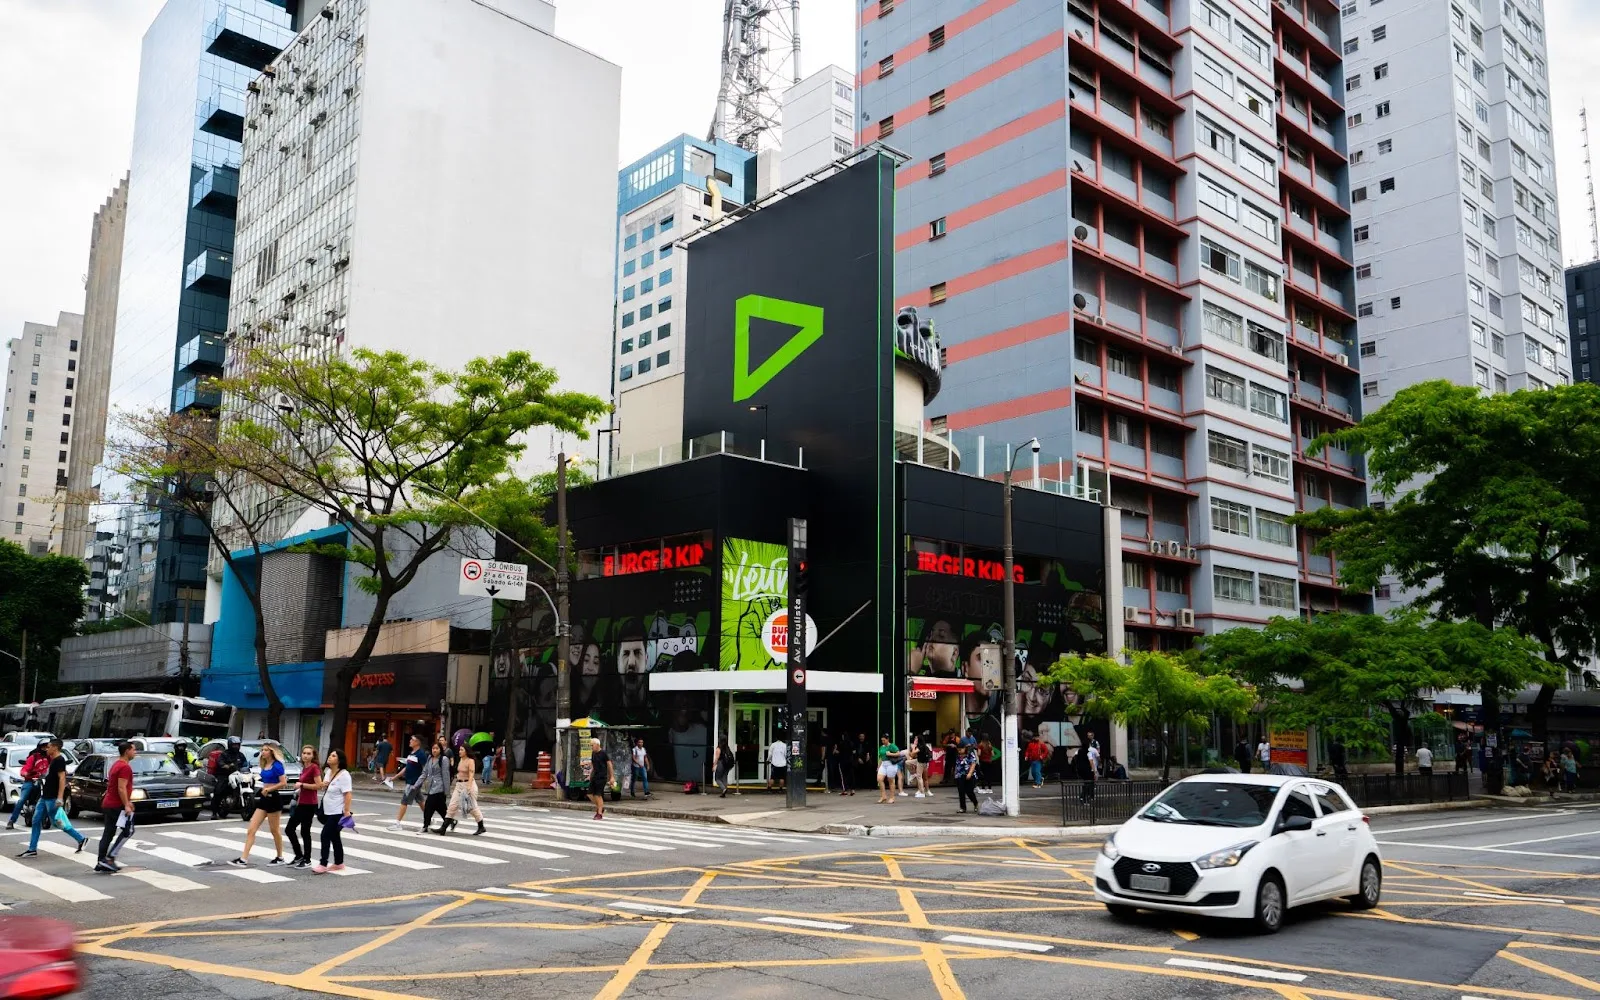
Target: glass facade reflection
x,y
197,59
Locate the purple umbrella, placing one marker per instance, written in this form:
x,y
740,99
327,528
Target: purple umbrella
x,y
460,737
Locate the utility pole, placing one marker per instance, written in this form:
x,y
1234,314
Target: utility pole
x,y
1009,766
563,628
22,675
795,684
183,648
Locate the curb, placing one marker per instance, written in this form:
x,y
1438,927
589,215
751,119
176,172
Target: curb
x,y
857,830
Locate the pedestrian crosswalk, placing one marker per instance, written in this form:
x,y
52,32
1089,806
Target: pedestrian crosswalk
x,y
180,857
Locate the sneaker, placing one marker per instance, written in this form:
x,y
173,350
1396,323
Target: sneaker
x,y
919,795
104,869
239,863
389,784
396,828
10,827
336,868
80,845
276,861
320,869
35,854
303,863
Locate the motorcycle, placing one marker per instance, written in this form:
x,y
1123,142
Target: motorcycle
x,y
239,794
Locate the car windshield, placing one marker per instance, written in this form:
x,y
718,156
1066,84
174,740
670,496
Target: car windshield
x,y
1212,803
99,746
143,765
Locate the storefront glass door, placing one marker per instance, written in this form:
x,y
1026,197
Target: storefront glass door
x,y
752,735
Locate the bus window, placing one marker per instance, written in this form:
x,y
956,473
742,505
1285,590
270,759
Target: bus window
x,y
205,720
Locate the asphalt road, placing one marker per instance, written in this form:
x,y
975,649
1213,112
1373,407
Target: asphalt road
x,y
1482,903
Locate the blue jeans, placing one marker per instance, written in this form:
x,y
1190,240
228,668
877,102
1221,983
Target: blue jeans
x,y
22,800
44,808
641,779
1036,771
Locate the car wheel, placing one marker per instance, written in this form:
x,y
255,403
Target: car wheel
x,y
1121,912
72,808
1270,905
1371,886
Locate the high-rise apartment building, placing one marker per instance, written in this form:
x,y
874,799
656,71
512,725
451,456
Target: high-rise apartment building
x,y
1130,220
432,177
819,115
1583,319
88,441
669,191
36,429
177,260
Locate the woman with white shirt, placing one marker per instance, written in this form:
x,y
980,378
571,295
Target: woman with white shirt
x,y
333,809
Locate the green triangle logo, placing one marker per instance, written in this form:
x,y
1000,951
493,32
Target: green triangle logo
x,y
807,319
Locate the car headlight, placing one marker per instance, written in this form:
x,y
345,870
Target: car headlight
x,y
1228,857
1109,848
138,795
193,792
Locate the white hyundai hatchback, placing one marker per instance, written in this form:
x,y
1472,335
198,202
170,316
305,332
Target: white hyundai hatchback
x,y
1247,846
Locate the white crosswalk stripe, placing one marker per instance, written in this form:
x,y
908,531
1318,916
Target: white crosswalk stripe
x,y
238,845
568,828
427,847
161,880
61,888
483,843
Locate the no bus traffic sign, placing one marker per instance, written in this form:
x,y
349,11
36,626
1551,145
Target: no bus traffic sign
x,y
504,581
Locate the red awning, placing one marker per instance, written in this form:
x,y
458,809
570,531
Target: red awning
x,y
941,685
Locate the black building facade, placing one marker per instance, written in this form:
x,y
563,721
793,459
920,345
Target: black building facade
x,y
1583,320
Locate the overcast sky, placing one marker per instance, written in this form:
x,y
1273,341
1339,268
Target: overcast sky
x,y
69,69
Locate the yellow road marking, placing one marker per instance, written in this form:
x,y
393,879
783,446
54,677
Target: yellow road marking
x,y
641,955
1550,970
393,934
299,981
1186,935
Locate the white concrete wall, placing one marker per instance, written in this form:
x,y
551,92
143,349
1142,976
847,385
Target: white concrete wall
x,y
815,115
649,417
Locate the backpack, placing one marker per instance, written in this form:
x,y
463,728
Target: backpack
x,y
211,761
924,754
35,767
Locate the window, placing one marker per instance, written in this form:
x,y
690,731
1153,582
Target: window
x,y
1261,281
625,373
1087,350
1382,109
1135,575
1215,136
666,251
1480,376
1274,528
1364,309
664,331
1353,120
1234,585
886,127
1125,363
1269,403
1269,463
664,225
1351,46
1225,386
1219,259
936,228
647,285
1358,194
885,7
1380,71
629,293
1168,582
646,311
1352,82
647,258
1219,198
1497,344
936,165
1265,342
663,359
886,65
1500,380
1260,223
644,339
936,102
1276,591
1222,323
1363,271
1362,233
1211,71
936,39
1394,302
936,294
1230,518
1228,452
35,378
1386,185
665,278
1212,16
644,365
1256,164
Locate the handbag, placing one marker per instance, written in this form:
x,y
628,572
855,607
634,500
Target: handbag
x,y
347,822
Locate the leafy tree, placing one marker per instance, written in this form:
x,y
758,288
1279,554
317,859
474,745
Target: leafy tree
x,y
116,623
42,596
1332,671
1492,515
392,449
177,461
1154,689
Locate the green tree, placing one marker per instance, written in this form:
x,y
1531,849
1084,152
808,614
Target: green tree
x,y
42,596
1153,690
392,449
178,462
1491,513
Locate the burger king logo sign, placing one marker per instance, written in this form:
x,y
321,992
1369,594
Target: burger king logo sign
x,y
775,635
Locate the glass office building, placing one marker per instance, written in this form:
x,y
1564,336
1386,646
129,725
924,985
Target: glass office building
x,y
197,59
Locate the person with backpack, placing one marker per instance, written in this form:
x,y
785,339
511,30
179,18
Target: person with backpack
x,y
922,757
52,807
722,766
34,767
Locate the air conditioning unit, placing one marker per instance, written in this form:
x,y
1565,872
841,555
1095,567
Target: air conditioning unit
x,y
1186,617
1190,554
254,86
1156,546
1174,548
1130,614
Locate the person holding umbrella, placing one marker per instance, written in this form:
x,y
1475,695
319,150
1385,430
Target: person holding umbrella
x,y
480,746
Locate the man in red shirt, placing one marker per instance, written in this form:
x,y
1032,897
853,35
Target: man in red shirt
x,y
117,808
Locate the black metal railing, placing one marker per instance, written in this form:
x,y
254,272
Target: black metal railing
x,y
1403,789
1113,801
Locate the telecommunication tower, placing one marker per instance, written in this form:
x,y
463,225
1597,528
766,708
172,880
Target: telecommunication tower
x,y
1588,171
760,58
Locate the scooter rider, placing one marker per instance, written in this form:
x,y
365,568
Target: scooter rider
x,y
229,762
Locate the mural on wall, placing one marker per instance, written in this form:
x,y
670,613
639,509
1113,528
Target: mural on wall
x,y
755,585
953,627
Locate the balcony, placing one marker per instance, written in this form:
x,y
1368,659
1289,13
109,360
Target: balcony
x,y
223,114
209,272
195,394
246,39
217,191
201,355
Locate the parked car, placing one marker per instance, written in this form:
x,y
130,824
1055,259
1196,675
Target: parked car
x,y
1240,845
32,739
11,757
252,753
159,786
84,748
37,958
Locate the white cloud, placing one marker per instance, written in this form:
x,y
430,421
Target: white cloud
x,y
69,71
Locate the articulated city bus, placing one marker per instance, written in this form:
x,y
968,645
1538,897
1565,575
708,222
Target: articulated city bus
x,y
18,717
120,716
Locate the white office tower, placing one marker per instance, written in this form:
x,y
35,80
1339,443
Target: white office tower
x,y
1458,244
36,428
819,116
433,177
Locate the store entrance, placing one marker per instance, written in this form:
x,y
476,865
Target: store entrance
x,y
755,726
364,729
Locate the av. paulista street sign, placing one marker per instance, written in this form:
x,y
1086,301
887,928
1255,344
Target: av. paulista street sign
x,y
505,581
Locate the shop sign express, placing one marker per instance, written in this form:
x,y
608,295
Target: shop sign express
x,y
505,581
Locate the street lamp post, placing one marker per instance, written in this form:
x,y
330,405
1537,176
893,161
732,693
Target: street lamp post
x,y
22,669
1009,767
766,424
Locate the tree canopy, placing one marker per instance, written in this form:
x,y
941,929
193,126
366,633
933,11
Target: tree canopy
x,y
42,596
1489,510
1153,690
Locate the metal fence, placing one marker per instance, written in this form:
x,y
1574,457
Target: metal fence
x,y
1117,801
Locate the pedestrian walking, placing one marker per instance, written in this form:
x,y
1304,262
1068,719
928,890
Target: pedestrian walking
x,y
844,752
1264,754
865,763
778,764
269,807
986,761
433,785
951,751
1424,761
889,757
34,768
1242,755
1569,771
380,760
722,766
827,761
1035,754
641,768
116,808
1463,754
921,758
411,774
601,774
334,811
305,807
966,776
463,799
52,807
1337,758
1084,767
